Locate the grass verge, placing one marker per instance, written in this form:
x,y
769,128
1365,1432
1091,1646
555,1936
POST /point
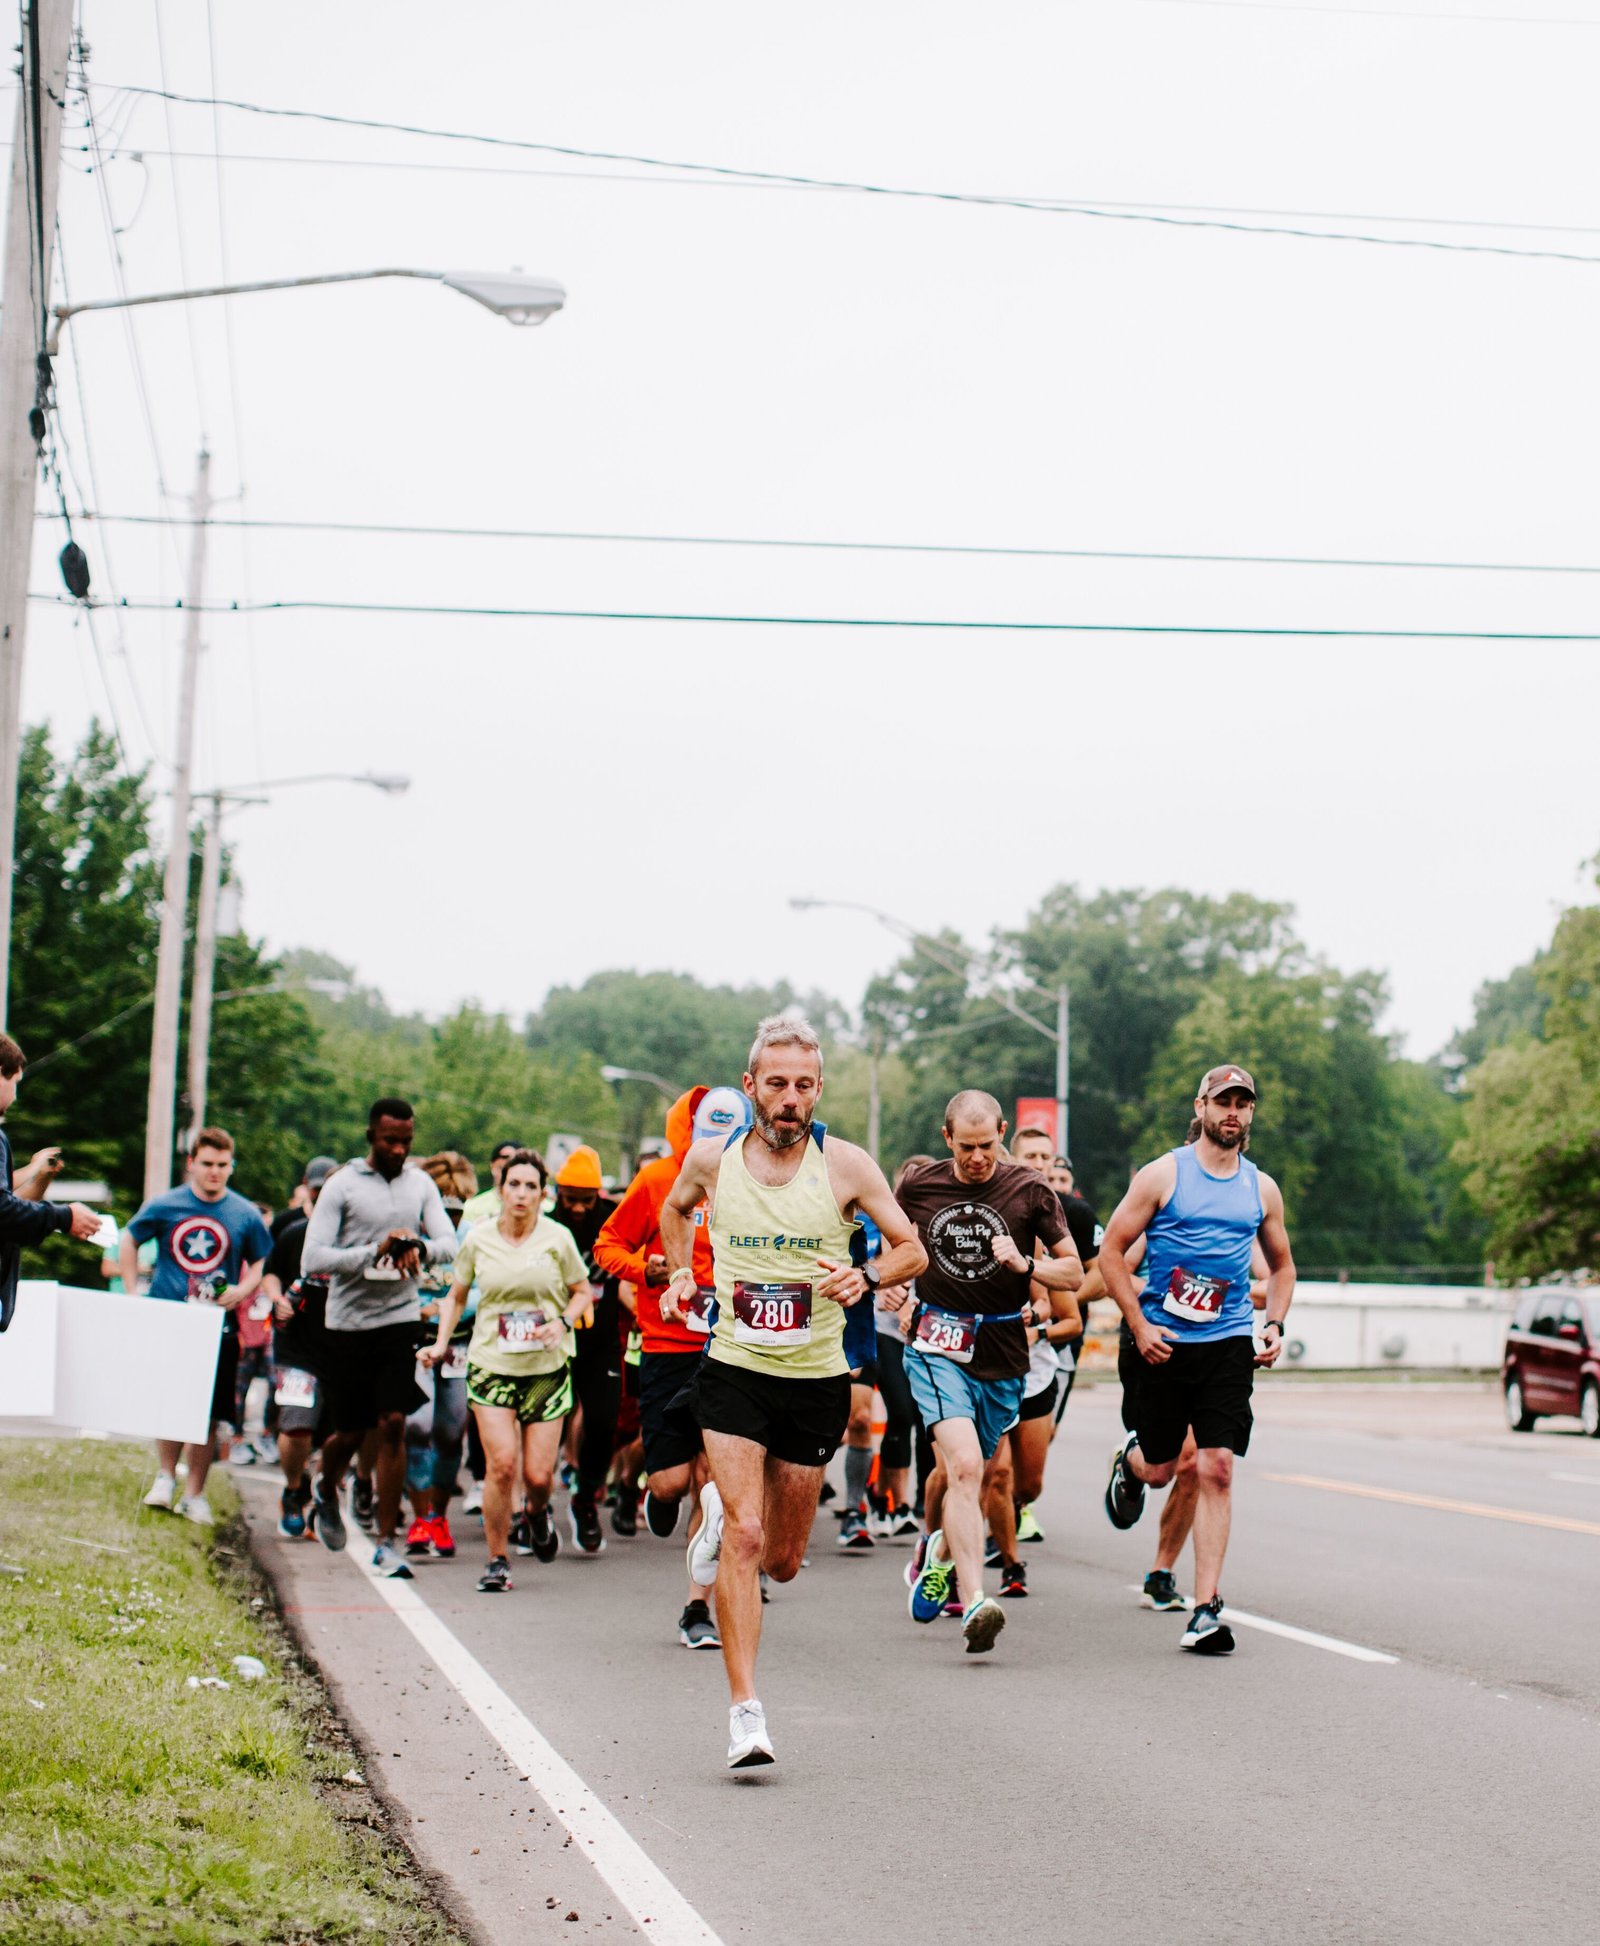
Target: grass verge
x,y
135,1807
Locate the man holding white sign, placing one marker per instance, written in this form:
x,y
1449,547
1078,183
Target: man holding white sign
x,y
24,1217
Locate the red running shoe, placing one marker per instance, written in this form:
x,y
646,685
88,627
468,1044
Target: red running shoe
x,y
418,1535
444,1542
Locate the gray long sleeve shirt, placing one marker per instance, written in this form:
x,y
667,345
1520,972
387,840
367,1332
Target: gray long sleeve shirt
x,y
356,1210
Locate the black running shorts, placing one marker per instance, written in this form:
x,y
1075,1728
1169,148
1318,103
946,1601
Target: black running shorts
x,y
226,1381
667,1423
1041,1404
370,1374
800,1420
1200,1388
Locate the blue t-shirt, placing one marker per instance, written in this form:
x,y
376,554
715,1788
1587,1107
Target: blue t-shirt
x,y
1197,1253
198,1241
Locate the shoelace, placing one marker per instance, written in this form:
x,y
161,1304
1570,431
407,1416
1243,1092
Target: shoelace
x,y
748,1718
936,1579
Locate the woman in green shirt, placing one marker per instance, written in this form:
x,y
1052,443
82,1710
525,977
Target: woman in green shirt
x,y
532,1288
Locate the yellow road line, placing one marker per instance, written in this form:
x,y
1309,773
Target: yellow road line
x,y
1558,1521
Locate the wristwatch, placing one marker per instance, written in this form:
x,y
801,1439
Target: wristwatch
x,y
871,1275
1274,1324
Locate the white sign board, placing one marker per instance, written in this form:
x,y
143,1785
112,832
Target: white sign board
x,y
101,1361
558,1150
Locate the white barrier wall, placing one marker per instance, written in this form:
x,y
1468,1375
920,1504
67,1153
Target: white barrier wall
x,y
100,1361
1402,1326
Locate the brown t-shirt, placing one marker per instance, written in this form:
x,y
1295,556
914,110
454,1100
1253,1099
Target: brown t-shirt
x,y
957,1222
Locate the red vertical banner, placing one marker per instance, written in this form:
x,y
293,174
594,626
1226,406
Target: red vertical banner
x,y
1038,1112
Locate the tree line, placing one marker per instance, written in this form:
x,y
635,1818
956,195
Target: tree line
x,y
1388,1164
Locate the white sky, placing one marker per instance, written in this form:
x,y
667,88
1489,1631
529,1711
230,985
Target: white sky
x,y
743,361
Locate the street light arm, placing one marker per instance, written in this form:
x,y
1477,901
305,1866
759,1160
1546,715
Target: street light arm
x,y
522,299
935,950
392,785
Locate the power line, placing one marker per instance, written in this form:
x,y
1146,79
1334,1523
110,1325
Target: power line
x,y
177,210
844,621
1382,13
666,181
252,660
1100,213
420,530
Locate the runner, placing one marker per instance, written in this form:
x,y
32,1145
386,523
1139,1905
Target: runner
x,y
1051,1362
1199,1208
861,1355
583,1209
486,1202
532,1288
893,1513
25,1218
436,1429
773,1393
967,1352
299,1309
212,1246
376,1223
630,1248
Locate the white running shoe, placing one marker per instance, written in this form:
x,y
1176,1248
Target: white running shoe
x,y
982,1623
198,1509
472,1499
748,1742
706,1548
160,1495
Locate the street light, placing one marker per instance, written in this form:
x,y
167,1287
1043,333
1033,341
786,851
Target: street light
x,y
513,295
614,1075
164,1034
934,949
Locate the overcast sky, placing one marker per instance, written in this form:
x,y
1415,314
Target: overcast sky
x,y
751,361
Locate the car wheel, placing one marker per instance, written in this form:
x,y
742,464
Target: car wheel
x,y
1518,1417
1589,1408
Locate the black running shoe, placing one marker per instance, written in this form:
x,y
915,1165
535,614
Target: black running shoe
x,y
328,1522
625,1513
496,1577
585,1518
696,1630
291,1515
1160,1591
1014,1579
1208,1633
661,1516
1124,1494
543,1540
362,1507
521,1532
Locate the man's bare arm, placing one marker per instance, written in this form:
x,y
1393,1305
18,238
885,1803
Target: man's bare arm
x,y
1062,1270
1274,1237
902,1256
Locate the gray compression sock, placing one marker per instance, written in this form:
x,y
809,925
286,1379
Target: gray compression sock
x,y
857,1466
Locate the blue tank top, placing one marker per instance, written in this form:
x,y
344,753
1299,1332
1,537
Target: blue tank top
x,y
1197,1253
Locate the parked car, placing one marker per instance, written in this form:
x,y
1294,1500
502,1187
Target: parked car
x,y
1552,1360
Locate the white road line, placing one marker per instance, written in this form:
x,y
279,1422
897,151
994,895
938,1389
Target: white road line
x,y
1578,1479
1309,1636
661,1910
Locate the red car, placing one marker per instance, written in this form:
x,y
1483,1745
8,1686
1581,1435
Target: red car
x,y
1552,1360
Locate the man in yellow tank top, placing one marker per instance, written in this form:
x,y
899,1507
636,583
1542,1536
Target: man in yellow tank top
x,y
772,1396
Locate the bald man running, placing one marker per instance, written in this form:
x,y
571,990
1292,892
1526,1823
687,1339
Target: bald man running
x,y
981,1216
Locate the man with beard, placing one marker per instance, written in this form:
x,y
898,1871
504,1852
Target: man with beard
x,y
982,1216
772,1395
1199,1209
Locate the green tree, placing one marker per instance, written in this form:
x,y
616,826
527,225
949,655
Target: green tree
x,y
1532,1142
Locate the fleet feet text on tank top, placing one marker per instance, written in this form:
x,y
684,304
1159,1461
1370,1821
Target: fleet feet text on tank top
x,y
765,1241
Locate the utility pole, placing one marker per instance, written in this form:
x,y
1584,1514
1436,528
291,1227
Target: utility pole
x,y
205,964
1063,1024
29,251
175,898
874,1103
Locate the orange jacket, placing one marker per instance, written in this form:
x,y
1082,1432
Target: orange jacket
x,y
633,1232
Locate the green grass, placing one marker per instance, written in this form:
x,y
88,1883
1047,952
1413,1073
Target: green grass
x,y
131,1806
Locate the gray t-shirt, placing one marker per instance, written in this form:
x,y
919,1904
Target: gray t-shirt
x,y
356,1210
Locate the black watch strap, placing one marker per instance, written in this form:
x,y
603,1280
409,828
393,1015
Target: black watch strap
x,y
1274,1324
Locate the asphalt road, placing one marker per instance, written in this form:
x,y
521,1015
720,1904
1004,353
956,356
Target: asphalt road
x,y
1087,1780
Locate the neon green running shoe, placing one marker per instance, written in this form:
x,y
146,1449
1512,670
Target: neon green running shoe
x,y
1028,1529
931,1589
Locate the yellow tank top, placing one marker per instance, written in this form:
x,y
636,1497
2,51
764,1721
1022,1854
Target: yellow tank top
x,y
766,1242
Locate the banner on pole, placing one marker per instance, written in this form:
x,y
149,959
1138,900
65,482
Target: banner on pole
x,y
1038,1111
